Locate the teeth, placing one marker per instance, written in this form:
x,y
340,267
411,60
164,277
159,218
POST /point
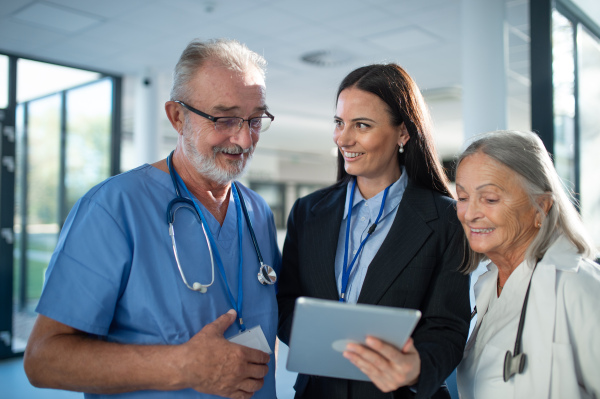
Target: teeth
x,y
234,150
482,230
231,151
351,154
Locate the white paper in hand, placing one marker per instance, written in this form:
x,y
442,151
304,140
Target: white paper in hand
x,y
252,338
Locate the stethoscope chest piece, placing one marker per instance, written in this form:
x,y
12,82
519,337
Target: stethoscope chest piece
x,y
266,275
513,364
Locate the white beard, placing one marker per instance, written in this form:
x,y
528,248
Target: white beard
x,y
207,166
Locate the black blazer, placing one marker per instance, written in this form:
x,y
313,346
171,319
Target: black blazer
x,y
416,267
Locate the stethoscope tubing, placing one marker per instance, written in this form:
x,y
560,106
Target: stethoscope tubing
x,y
249,223
197,286
266,275
517,356
237,305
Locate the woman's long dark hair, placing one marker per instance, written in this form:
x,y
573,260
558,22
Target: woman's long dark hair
x,y
405,104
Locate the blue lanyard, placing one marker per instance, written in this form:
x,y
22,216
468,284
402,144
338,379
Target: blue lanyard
x,y
236,199
348,269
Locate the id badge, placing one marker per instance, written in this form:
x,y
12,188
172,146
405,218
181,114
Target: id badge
x,y
252,338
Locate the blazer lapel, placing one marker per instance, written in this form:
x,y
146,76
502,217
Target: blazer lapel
x,y
407,234
328,214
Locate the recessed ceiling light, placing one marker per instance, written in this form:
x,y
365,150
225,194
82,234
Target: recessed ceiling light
x,y
326,58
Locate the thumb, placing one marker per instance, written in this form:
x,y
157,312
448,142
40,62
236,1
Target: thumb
x,y
409,346
224,321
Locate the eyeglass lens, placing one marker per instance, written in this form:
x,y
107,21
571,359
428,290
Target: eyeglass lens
x,y
257,125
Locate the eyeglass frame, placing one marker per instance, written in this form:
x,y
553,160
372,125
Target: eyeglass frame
x,y
214,119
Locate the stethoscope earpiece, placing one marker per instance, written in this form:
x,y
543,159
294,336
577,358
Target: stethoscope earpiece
x,y
199,288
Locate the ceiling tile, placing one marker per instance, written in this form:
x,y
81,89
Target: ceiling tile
x,y
123,34
326,12
10,7
404,39
414,10
55,17
104,8
277,22
31,38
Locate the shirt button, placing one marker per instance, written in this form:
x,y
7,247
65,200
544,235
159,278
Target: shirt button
x,y
362,218
366,204
354,252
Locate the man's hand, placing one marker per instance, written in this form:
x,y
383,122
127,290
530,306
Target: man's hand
x,y
216,366
61,357
388,367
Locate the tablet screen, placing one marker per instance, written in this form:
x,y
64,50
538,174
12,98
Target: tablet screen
x,y
322,328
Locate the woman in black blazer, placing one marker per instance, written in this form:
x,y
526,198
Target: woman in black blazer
x,y
400,243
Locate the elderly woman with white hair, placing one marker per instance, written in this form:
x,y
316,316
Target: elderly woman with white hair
x,y
537,305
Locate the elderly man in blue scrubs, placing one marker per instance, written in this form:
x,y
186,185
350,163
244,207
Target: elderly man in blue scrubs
x,y
146,297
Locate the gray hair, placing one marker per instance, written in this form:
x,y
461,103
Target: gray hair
x,y
231,54
525,154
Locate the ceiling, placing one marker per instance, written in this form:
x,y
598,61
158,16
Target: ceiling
x,y
131,37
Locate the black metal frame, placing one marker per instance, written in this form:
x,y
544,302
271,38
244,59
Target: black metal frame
x,y
7,206
542,97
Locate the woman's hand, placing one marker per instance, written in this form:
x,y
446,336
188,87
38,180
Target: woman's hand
x,y
388,367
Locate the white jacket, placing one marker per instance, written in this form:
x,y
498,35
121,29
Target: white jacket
x,y
561,336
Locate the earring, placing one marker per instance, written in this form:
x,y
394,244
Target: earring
x,y
401,149
538,225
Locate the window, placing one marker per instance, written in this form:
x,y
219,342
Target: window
x,y
588,46
64,124
274,195
3,81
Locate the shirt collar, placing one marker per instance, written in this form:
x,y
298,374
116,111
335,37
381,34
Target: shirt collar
x,y
393,198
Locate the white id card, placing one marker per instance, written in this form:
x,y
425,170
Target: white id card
x,y
252,338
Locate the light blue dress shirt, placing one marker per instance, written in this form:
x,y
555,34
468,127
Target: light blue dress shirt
x,y
114,275
364,214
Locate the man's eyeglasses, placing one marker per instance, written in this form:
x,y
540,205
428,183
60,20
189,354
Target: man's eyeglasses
x,y
232,124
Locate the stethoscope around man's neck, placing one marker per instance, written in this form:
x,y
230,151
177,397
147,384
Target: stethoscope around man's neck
x,y
515,362
266,274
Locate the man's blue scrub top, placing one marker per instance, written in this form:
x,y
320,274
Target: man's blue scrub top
x,y
113,273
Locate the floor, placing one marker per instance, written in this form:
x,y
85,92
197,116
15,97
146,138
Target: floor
x,y
15,385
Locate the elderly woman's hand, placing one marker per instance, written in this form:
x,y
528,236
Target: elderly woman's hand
x,y
388,367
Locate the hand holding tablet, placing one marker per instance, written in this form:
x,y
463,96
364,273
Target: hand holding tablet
x,y
322,329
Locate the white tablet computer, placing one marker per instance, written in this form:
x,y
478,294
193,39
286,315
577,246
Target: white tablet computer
x,y
322,328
